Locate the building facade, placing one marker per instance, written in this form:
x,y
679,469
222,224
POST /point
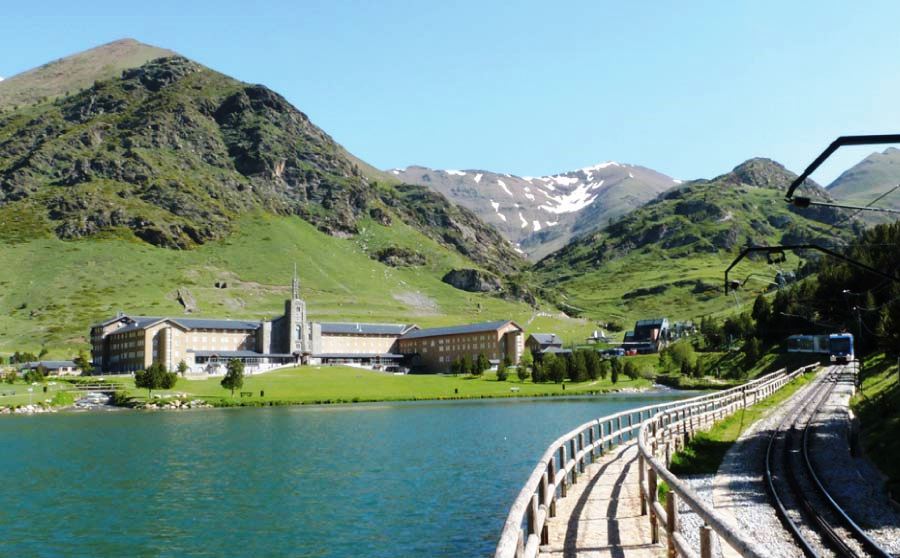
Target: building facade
x,y
128,343
434,349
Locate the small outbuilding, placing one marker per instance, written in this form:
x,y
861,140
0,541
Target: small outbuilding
x,y
53,367
538,343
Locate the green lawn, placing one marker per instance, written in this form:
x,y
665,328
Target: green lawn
x,y
17,393
705,451
877,404
335,384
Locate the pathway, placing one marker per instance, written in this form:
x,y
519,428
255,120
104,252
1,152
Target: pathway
x,y
601,514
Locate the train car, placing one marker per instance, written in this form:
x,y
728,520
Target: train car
x,y
840,347
808,344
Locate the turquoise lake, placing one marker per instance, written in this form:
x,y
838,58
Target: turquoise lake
x,y
384,480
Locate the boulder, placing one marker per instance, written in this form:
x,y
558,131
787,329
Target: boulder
x,y
473,280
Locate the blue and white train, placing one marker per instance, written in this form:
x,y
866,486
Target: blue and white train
x,y
838,346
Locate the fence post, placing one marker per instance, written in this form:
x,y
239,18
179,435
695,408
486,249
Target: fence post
x,y
581,449
532,515
573,448
671,522
706,542
563,486
641,473
551,479
591,440
651,490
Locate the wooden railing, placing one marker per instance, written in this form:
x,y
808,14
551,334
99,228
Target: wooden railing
x,y
666,433
565,460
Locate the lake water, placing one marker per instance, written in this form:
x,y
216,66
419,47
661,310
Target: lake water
x,y
393,479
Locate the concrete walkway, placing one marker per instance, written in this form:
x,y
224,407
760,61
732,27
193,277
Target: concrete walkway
x,y
601,515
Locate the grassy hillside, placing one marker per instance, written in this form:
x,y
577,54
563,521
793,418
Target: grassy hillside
x,y
668,257
878,406
51,290
863,183
78,71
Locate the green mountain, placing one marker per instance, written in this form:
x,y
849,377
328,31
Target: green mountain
x,y
668,257
865,181
79,71
172,176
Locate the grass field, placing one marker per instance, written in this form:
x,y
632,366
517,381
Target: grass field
x,y
52,290
15,394
705,451
878,406
339,384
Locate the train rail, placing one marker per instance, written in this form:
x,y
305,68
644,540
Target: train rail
x,y
807,509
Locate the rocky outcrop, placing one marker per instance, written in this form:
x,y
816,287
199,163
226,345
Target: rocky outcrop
x,y
473,281
396,256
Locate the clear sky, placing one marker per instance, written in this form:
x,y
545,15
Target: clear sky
x,y
533,87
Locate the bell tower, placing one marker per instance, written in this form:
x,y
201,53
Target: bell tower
x,y
298,326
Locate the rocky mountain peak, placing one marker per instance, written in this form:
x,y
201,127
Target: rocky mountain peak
x,y
541,214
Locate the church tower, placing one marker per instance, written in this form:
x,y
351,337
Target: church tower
x,y
299,334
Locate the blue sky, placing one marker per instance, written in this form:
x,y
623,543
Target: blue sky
x,y
688,88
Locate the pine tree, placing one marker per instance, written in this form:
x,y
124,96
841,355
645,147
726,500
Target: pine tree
x,y
616,365
522,372
481,364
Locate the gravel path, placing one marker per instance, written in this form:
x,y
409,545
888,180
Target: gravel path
x,y
853,482
739,488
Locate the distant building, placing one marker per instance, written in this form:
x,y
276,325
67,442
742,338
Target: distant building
x,y
598,336
540,342
434,349
53,367
648,336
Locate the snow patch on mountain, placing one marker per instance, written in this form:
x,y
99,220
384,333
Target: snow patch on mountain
x,y
522,219
478,178
505,189
536,224
600,166
455,172
576,200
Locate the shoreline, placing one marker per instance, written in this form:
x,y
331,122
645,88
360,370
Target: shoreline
x,y
196,403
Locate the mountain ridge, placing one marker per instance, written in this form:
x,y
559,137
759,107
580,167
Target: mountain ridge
x,y
541,214
173,151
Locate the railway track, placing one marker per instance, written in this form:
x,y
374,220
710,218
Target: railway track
x,y
817,522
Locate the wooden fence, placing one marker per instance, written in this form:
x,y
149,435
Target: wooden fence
x,y
564,461
666,433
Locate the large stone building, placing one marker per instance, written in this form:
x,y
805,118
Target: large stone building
x,y
127,343
434,349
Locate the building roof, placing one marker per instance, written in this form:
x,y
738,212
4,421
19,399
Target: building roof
x,y
364,328
458,330
238,354
547,338
357,355
49,364
651,322
143,322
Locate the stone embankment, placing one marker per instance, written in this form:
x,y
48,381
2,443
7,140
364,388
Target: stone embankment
x,y
27,410
176,404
